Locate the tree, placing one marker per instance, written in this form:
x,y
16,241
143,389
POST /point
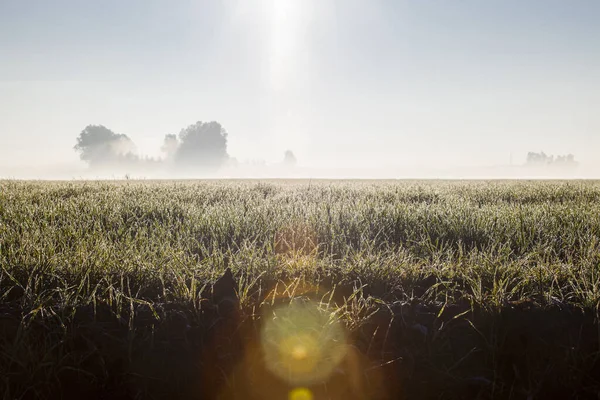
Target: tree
x,y
170,145
97,144
542,158
289,159
538,158
203,144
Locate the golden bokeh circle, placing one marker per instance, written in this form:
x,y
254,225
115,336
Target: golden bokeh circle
x,y
300,394
302,343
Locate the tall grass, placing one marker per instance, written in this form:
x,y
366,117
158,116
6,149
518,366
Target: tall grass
x,y
488,240
134,246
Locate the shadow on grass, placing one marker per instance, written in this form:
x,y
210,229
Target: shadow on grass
x,y
400,350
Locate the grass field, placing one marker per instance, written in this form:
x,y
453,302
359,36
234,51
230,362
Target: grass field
x,y
442,289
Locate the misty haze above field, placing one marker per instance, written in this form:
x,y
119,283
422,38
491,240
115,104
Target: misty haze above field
x,y
300,88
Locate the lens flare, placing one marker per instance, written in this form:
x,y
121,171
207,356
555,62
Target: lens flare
x,y
300,394
302,345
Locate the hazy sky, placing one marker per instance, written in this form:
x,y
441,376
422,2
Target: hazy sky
x,y
340,82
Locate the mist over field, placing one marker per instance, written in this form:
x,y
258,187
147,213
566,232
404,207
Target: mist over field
x,y
379,89
200,151
78,172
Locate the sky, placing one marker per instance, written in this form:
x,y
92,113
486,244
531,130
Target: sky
x,y
342,83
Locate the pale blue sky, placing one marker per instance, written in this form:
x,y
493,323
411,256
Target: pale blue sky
x,y
340,82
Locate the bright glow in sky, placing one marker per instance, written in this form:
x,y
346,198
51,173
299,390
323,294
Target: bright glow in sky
x,y
347,83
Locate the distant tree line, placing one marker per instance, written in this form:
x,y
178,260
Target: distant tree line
x,y
541,158
199,147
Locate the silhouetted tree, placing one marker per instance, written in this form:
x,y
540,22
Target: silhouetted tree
x,y
97,144
537,158
542,158
170,145
289,159
568,159
203,144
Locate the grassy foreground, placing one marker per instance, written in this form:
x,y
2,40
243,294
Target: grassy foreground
x,y
442,289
